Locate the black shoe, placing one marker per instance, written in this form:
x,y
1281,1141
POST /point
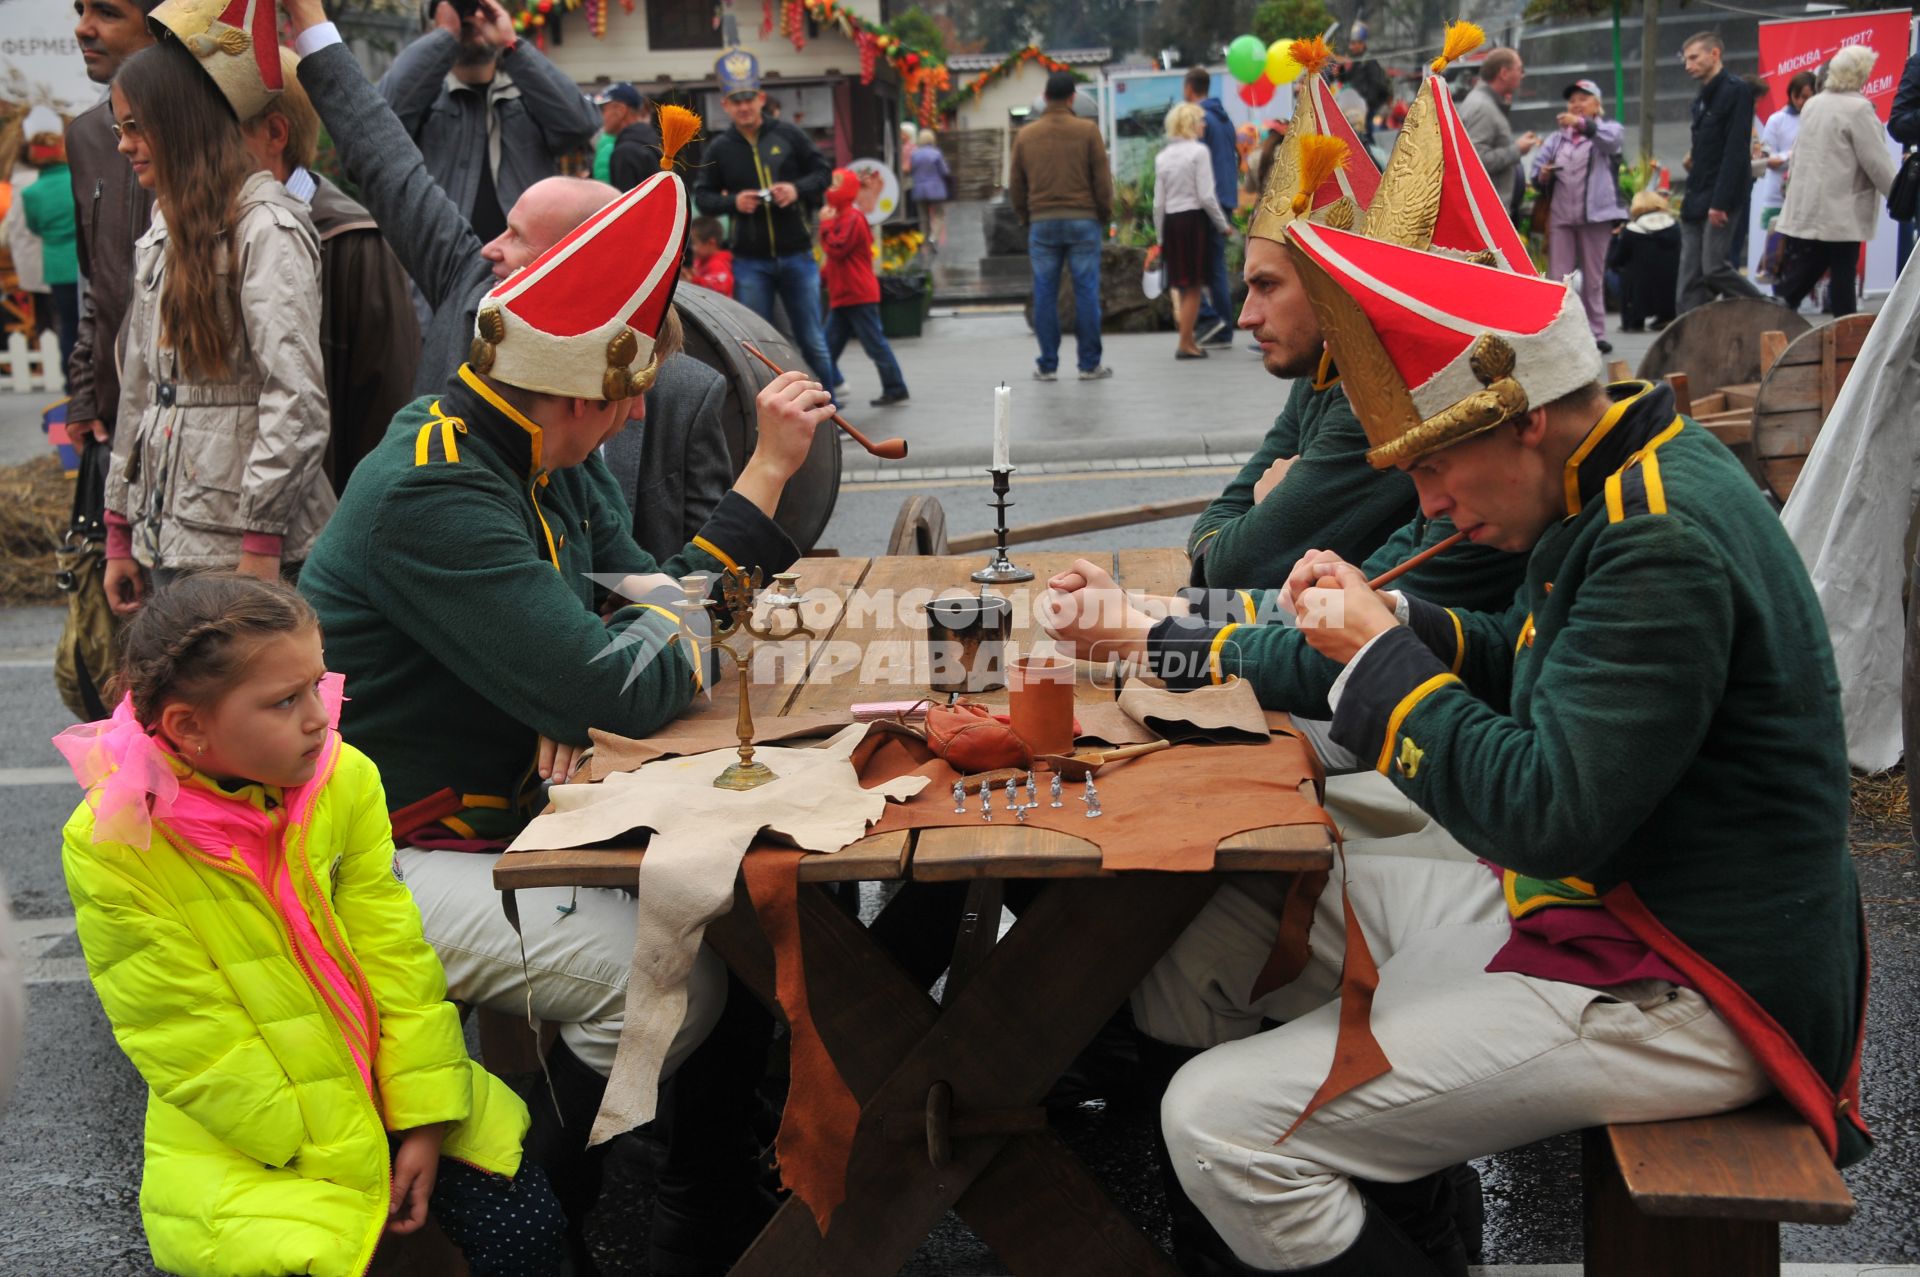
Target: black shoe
x,y
1659,324
1381,1250
1218,333
710,1204
888,401
1633,328
1189,354
1606,347
1428,1213
557,1143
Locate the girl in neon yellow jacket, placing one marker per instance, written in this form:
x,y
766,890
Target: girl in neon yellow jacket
x,y
232,877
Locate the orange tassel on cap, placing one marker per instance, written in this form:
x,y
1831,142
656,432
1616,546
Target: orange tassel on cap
x,y
678,126
1462,38
1310,54
1320,158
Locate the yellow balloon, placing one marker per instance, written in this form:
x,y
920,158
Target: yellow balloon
x,y
1281,68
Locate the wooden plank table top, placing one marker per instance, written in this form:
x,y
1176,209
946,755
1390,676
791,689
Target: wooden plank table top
x,y
883,637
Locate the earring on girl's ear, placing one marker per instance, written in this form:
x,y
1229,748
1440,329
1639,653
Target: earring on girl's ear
x,y
199,749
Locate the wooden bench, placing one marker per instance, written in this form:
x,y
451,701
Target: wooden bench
x,y
1704,1195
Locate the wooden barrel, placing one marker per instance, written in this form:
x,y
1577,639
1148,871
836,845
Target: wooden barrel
x,y
1797,394
715,327
1718,344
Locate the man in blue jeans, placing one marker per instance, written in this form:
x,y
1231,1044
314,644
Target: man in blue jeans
x,y
1063,190
1216,311
764,174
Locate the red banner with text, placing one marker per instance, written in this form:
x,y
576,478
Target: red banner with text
x,y
1804,44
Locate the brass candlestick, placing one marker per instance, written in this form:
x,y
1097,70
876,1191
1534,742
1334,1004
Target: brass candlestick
x,y
738,588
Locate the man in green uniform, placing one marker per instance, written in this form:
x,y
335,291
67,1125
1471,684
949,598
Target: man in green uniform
x,y
1308,484
456,587
1645,748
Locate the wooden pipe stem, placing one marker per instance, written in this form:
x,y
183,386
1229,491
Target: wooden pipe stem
x,y
1394,574
886,449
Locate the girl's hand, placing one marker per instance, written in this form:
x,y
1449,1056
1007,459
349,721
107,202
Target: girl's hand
x,y
264,567
126,586
416,1163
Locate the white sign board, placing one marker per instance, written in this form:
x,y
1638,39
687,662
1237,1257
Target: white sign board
x,y
40,63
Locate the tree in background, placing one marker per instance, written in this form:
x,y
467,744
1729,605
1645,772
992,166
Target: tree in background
x,y
922,31
1198,29
1002,26
1277,20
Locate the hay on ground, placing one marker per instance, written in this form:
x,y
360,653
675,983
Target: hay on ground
x,y
36,502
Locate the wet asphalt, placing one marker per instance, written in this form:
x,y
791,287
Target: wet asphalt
x,y
70,1139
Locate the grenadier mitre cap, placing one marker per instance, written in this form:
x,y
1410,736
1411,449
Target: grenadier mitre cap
x,y
1435,192
1342,196
237,45
581,318
1433,349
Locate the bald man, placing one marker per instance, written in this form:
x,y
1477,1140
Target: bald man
x,y
447,261
679,460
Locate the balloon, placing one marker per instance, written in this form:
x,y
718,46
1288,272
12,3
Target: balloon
x,y
1259,93
1281,68
1246,58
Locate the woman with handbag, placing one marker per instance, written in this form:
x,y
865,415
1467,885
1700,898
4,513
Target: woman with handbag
x,y
1574,175
1184,208
1840,169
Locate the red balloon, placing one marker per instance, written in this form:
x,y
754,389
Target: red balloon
x,y
1259,93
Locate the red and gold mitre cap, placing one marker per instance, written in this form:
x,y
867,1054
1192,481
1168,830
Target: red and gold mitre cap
x,y
1435,192
237,45
581,318
1433,349
1341,196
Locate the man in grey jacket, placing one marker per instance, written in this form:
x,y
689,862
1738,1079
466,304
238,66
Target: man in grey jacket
x,y
487,109
684,465
1484,112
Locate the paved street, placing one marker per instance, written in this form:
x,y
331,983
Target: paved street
x,y
70,1143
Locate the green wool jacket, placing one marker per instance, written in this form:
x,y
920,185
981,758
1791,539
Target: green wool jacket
x,y
1331,499
1654,727
452,586
1245,632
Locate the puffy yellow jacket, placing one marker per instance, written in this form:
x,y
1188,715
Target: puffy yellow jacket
x,y
265,1153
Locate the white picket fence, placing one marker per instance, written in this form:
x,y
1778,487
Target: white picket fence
x,y
29,367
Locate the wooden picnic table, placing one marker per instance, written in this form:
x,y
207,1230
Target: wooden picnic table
x,y
950,1091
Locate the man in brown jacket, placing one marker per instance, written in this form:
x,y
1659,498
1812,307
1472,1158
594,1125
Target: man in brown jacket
x,y
369,335
1062,189
112,212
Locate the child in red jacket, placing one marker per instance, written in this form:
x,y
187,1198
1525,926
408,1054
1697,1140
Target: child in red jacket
x,y
712,264
853,291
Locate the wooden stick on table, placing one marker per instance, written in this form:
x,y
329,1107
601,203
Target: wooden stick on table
x,y
1394,574
886,449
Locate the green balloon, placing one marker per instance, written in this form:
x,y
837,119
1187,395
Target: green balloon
x,y
1247,59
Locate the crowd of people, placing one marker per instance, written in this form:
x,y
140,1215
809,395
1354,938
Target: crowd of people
x,y
374,462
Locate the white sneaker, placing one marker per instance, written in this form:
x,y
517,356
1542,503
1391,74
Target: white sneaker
x,y
1097,374
1041,374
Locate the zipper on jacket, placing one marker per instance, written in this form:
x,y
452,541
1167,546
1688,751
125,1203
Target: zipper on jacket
x,y
385,1204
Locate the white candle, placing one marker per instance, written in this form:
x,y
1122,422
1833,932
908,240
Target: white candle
x,y
1002,406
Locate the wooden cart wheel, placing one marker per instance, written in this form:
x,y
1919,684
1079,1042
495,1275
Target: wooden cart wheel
x,y
1718,344
715,327
1797,394
920,528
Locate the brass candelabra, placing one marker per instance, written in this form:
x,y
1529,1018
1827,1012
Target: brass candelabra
x,y
740,595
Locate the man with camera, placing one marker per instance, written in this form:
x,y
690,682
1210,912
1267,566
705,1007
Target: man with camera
x,y
486,108
765,175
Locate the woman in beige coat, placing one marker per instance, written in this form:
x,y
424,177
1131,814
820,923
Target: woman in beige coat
x,y
1841,167
223,409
